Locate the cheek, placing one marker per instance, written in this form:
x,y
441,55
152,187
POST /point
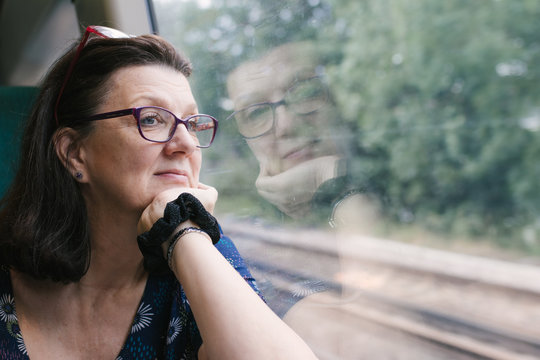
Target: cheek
x,y
138,163
258,147
265,151
123,161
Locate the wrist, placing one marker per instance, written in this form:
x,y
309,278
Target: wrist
x,y
185,211
176,238
186,224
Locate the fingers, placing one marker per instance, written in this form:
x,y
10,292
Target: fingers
x,y
310,174
291,190
207,195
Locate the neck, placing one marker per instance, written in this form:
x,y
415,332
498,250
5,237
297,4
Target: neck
x,y
116,261
115,275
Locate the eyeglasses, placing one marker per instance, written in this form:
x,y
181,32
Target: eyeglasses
x,y
102,31
157,124
304,98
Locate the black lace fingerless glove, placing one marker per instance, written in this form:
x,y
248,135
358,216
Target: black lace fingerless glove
x,y
185,207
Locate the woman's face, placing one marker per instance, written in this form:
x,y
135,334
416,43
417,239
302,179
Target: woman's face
x,y
295,138
125,171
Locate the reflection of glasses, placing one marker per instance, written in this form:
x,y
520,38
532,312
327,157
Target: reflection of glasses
x,y
304,98
101,31
159,125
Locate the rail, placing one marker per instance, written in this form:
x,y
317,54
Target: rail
x,y
458,304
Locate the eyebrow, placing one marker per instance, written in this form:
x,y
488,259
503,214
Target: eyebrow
x,y
151,99
257,97
246,100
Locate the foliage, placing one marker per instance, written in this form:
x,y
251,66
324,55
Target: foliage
x,y
444,103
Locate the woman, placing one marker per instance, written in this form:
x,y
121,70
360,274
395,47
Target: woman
x,y
114,137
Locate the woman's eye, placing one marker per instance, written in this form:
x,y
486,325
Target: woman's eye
x,y
151,120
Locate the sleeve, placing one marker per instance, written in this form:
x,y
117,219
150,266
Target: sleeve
x,y
227,248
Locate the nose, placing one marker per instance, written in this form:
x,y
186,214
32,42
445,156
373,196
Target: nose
x,y
285,122
182,141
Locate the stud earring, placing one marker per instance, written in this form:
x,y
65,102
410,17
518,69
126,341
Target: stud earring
x,y
78,175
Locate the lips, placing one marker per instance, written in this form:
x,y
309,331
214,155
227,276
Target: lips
x,y
174,175
172,171
298,153
304,149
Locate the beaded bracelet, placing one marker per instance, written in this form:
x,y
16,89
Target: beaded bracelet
x,y
177,237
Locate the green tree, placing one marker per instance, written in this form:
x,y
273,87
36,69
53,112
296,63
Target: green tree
x,y
439,94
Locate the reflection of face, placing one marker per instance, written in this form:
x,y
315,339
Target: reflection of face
x,y
298,135
122,168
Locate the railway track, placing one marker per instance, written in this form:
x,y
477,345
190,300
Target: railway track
x,y
438,305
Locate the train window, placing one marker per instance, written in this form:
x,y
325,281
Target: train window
x,y
378,164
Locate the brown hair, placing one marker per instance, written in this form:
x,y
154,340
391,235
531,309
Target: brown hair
x,y
43,221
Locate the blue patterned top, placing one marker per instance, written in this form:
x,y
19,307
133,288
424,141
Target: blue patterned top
x,y
163,327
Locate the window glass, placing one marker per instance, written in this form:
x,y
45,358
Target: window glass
x,y
378,165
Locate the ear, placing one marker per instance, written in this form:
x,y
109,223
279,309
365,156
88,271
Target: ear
x,y
67,143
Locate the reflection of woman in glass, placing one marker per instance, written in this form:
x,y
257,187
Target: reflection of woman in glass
x,y
283,110
286,114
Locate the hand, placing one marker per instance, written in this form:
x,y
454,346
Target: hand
x,y
291,191
207,195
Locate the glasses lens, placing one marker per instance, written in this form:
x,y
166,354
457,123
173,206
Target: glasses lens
x,y
156,124
254,120
203,127
307,96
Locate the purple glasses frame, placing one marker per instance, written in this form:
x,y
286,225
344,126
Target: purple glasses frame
x,y
136,112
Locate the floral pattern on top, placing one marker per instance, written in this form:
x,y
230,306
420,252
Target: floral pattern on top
x,y
143,318
163,327
7,308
